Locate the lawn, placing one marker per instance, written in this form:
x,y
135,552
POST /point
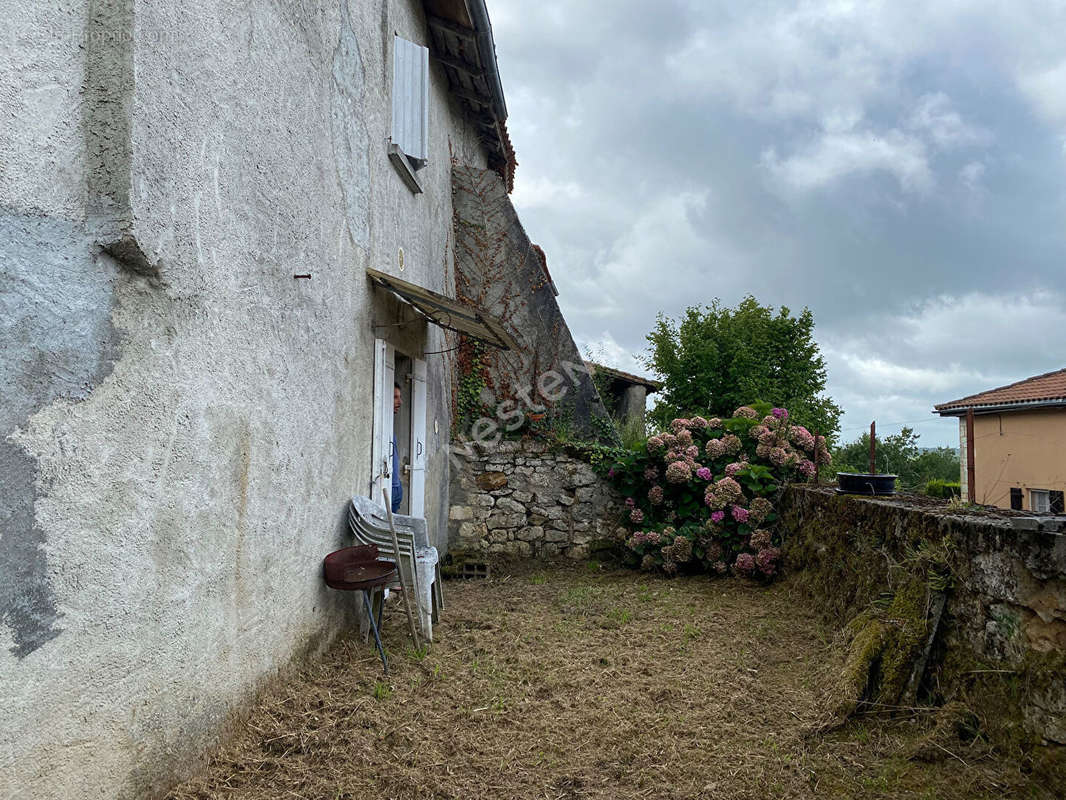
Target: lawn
x,y
576,682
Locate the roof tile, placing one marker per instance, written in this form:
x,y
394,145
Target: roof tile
x,y
1050,386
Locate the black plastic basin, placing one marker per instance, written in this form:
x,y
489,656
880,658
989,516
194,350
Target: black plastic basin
x,y
864,483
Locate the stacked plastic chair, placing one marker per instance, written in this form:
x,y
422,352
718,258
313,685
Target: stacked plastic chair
x,y
369,524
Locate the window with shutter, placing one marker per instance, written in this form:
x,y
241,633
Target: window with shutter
x,y
1057,504
410,100
1039,501
1016,499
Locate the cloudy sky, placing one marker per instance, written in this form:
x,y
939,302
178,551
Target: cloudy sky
x,y
898,167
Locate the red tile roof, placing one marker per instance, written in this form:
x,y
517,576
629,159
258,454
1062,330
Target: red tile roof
x,y
1047,388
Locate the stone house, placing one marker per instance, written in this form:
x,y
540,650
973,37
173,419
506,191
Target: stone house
x,y
225,232
1019,441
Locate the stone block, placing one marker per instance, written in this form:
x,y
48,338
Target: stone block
x,y
583,512
578,552
501,492
490,481
551,535
508,504
531,533
522,549
501,520
459,513
483,500
499,535
473,530
584,494
566,500
522,497
1025,523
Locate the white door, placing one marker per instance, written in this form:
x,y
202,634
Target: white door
x,y
417,489
381,448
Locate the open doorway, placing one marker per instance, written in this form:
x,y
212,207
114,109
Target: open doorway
x,y
399,430
401,425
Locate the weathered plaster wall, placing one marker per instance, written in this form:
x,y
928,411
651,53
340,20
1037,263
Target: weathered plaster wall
x,y
1006,606
182,422
519,499
499,269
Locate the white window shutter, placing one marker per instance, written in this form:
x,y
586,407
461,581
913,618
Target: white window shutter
x,y
418,440
410,98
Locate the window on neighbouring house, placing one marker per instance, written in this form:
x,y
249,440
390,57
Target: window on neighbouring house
x,y
1039,500
1016,499
1057,504
410,105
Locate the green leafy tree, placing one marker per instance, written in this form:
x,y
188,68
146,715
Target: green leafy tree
x,y
715,359
899,454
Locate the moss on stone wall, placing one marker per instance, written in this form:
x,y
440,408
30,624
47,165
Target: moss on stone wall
x,y
881,566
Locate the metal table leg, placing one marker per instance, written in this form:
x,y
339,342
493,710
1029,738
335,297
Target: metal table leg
x,y
374,628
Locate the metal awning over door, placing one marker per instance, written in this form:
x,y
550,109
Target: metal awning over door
x,y
448,313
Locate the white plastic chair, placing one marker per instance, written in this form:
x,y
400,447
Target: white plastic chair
x,y
369,524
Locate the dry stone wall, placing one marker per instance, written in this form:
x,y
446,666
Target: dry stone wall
x,y
1005,616
522,500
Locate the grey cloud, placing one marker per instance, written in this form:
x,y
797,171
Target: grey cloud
x,y
897,168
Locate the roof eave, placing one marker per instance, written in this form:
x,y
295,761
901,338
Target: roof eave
x,y
992,408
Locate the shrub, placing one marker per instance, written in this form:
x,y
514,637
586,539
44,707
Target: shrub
x,y
700,496
942,488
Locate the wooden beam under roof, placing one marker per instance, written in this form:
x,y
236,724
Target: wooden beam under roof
x,y
454,28
458,64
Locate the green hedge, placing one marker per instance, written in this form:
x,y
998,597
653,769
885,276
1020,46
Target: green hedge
x,y
941,488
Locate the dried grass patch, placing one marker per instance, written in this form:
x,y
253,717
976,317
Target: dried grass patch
x,y
573,683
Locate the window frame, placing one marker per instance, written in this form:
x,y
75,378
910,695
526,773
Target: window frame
x,y
1034,494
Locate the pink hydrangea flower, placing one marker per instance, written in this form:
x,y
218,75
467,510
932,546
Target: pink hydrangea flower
x,y
636,515
684,439
734,468
655,444
757,432
650,474
703,474
655,495
760,539
729,490
717,516
654,537
762,450
697,423
746,411
692,451
678,425
778,456
806,468
678,472
714,448
766,560
760,508
714,422
720,567
745,564
740,514
731,443
780,413
711,498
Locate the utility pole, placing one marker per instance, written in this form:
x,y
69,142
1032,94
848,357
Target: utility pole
x,y
873,447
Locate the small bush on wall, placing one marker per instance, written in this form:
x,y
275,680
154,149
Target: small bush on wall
x,y
700,496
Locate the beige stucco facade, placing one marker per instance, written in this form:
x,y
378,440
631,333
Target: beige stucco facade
x,y
1016,449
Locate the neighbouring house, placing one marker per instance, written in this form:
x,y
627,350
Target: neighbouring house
x,y
624,394
226,231
1019,443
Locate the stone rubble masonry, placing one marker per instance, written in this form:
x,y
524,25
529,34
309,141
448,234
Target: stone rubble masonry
x,y
522,500
1007,600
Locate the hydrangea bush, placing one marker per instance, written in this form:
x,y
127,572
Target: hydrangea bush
x,y
700,496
